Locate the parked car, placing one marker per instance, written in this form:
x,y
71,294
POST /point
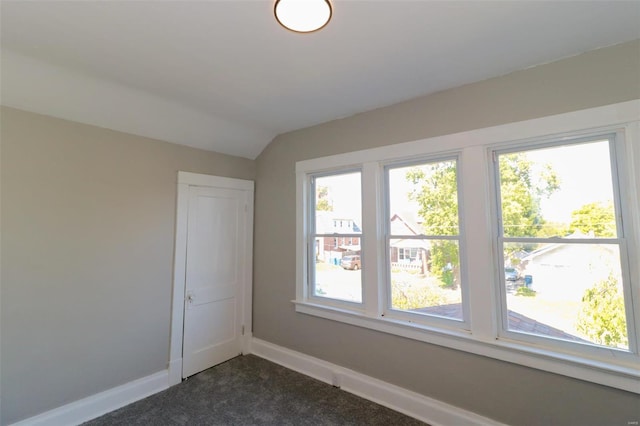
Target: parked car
x,y
351,262
511,274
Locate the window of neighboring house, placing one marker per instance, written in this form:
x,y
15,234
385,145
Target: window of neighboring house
x,y
407,254
427,278
401,254
562,245
335,274
519,242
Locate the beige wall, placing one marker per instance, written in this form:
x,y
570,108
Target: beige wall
x,y
509,393
87,256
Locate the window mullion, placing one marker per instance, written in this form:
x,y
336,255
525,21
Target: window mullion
x,y
372,254
630,226
477,241
305,226
630,309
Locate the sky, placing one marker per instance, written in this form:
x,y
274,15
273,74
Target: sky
x,y
345,194
585,177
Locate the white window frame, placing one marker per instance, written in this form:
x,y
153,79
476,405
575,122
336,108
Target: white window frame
x,y
484,336
437,321
617,150
311,238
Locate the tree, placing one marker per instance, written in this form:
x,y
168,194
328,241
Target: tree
x,y
436,191
598,218
602,318
522,186
322,199
553,229
521,189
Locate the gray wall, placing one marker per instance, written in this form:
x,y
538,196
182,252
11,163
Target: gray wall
x,y
87,256
506,392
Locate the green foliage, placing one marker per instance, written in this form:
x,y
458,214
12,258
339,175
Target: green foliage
x,y
602,317
436,191
525,291
406,297
553,229
596,217
444,262
322,199
521,190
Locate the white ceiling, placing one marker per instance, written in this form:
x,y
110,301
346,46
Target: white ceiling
x,y
223,76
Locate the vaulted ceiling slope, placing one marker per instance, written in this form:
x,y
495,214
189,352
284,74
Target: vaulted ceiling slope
x,y
223,76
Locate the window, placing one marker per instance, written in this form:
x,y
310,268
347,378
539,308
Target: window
x,y
335,270
424,241
519,242
562,245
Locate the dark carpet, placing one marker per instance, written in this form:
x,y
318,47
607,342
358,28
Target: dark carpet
x,y
249,390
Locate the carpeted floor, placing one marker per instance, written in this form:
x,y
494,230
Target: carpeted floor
x,y
249,390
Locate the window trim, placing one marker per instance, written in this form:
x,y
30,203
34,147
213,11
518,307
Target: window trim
x,y
482,339
616,145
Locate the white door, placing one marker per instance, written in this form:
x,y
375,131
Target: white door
x,y
215,274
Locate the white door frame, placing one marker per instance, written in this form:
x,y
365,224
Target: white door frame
x,y
185,180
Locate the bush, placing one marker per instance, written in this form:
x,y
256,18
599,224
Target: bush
x,y
447,279
406,297
525,291
602,317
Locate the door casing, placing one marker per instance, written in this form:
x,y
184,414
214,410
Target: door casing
x,y
185,180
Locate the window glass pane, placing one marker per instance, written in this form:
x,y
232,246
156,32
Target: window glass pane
x,y
338,211
425,273
339,277
338,205
425,277
564,191
566,291
423,199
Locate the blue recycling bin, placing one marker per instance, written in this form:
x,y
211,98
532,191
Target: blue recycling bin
x,y
528,280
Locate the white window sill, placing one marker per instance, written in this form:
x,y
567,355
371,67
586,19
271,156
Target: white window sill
x,y
623,375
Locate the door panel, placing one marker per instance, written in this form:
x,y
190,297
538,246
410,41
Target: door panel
x,y
216,235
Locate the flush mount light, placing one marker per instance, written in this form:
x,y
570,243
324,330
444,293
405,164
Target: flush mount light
x,y
303,16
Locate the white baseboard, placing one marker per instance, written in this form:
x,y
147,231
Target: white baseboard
x,y
429,410
101,403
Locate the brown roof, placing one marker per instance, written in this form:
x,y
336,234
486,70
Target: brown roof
x,y
517,322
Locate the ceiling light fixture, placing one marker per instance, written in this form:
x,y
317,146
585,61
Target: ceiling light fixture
x,y
303,16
